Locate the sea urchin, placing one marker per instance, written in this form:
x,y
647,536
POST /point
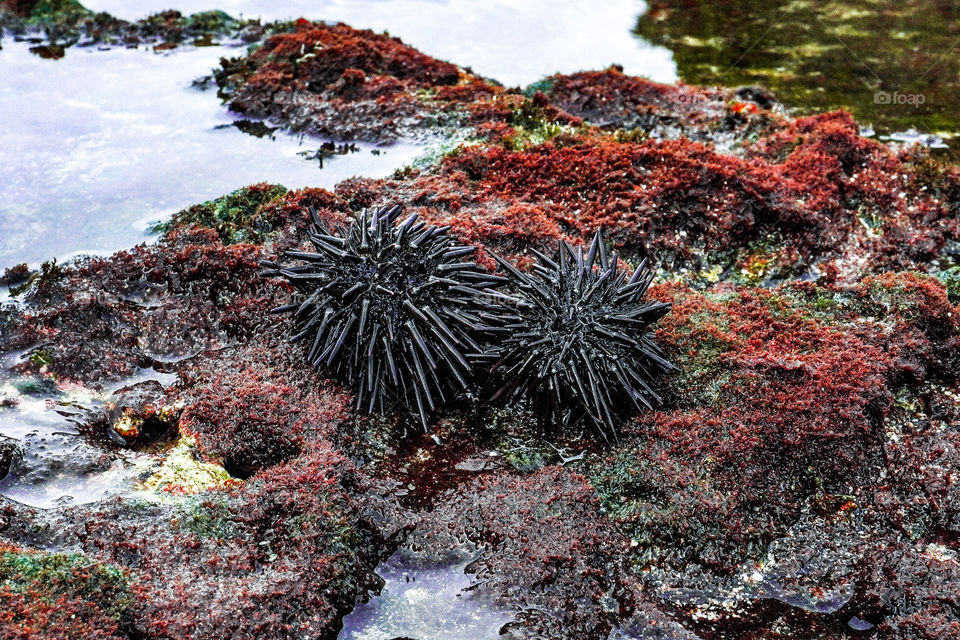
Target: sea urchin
x,y
575,342
391,309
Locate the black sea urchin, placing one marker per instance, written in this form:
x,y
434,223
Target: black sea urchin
x,y
390,308
575,342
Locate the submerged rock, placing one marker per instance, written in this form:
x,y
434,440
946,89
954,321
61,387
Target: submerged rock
x,y
57,25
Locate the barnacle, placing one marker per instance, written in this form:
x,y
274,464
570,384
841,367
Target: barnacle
x,y
575,339
390,308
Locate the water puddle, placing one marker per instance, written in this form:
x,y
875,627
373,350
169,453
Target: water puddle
x,y
101,143
514,42
811,568
424,600
46,461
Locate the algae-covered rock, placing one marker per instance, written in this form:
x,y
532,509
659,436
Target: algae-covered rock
x,y
50,595
237,217
801,477
182,472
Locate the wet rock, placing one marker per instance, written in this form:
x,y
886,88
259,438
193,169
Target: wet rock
x,y
553,559
15,275
57,25
138,415
46,456
8,453
237,217
253,418
290,549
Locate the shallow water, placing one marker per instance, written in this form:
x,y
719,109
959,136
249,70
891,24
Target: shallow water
x,y
514,41
892,64
101,143
425,600
54,465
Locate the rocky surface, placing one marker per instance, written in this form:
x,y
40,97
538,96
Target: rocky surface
x,y
800,479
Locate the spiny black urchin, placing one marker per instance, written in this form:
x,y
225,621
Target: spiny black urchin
x,y
575,342
392,309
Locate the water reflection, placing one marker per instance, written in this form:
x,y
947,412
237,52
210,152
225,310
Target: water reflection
x,y
892,64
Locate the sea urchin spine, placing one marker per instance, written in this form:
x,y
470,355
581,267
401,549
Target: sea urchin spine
x,y
575,340
391,309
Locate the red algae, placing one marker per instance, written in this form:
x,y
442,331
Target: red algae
x,y
770,402
833,205
285,554
788,401
355,84
251,419
612,99
52,596
335,80
738,190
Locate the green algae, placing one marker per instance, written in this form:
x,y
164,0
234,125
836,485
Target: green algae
x,y
512,433
234,216
51,576
702,339
209,517
212,21
183,472
49,272
449,146
543,85
890,64
534,133
40,358
532,126
951,281
46,11
35,387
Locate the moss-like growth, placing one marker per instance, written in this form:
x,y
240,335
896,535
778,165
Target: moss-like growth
x,y
36,387
544,85
183,472
235,216
62,590
951,280
49,272
212,21
534,122
209,517
50,10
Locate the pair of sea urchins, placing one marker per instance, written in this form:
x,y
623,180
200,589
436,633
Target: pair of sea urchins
x,y
394,310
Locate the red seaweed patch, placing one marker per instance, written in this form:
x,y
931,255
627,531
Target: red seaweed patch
x,y
285,554
53,595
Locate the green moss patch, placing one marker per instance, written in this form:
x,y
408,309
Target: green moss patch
x,y
235,216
